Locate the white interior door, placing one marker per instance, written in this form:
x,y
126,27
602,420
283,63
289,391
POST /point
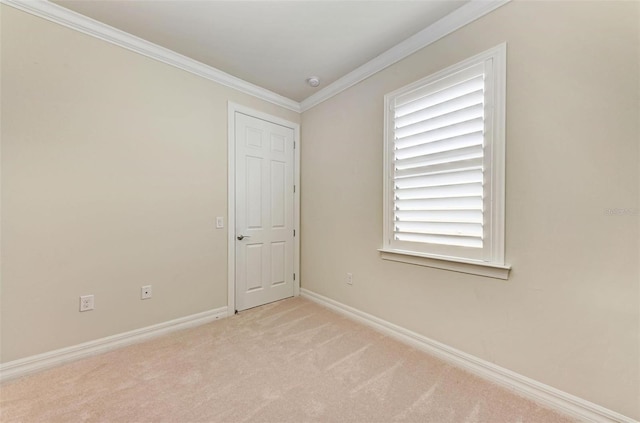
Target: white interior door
x,y
264,193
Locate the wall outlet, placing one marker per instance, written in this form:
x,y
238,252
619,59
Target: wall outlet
x,y
145,292
349,278
86,302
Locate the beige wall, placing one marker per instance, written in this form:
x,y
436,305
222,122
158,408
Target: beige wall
x,y
114,167
569,314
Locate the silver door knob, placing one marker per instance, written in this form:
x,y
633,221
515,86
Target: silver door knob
x,y
241,237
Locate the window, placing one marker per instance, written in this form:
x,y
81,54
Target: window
x,y
444,166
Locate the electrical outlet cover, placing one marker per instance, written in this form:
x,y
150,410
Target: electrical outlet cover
x,y
86,302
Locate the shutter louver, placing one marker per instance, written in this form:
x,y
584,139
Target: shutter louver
x,y
438,161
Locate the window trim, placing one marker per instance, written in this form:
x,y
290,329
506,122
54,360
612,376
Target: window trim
x,y
472,267
493,264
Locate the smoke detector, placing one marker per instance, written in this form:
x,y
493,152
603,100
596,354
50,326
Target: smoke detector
x,y
313,81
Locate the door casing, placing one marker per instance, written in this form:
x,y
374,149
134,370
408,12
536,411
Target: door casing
x,y
231,197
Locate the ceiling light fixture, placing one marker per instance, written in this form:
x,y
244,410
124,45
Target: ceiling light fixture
x,y
314,81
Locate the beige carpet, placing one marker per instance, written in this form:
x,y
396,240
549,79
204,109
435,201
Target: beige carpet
x,y
291,361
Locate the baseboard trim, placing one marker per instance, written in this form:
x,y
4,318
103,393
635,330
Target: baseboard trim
x,y
537,391
39,362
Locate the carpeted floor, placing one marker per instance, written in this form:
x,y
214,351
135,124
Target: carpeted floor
x,y
290,361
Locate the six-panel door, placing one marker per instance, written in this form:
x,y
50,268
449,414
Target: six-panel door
x,y
264,211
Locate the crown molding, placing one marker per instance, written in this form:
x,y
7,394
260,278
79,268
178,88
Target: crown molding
x,y
455,20
451,22
60,15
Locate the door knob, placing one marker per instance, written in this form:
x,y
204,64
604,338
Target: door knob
x,y
241,237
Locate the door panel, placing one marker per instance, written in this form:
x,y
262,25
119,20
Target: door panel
x,y
253,196
264,211
278,263
253,266
278,190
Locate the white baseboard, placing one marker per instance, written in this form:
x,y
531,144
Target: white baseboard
x,y
539,392
24,366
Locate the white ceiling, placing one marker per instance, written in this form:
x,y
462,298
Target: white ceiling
x,y
276,45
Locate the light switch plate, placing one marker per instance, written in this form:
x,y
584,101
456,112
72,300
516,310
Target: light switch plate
x,y
219,222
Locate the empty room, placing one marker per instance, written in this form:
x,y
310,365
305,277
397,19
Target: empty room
x,y
320,211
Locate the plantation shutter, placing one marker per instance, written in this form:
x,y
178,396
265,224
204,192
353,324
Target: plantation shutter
x,y
438,162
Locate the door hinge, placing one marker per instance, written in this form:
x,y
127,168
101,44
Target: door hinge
x,y
294,276
294,232
294,145
294,188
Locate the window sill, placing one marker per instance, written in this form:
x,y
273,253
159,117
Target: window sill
x,y
457,265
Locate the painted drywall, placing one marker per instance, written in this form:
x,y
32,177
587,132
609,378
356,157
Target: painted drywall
x,y
114,167
569,314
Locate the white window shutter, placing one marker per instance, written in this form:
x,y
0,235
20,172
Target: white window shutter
x,y
440,197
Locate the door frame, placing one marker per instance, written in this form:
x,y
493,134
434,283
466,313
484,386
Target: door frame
x,y
234,108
